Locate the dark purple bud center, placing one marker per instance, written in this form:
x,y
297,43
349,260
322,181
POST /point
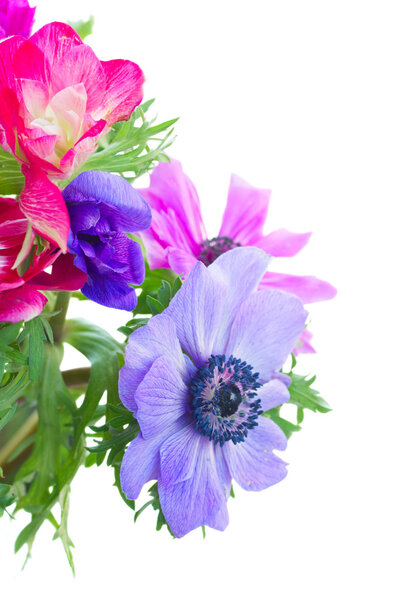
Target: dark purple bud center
x,y
210,250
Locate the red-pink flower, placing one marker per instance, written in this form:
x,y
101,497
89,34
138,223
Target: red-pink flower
x,y
177,237
23,264
56,100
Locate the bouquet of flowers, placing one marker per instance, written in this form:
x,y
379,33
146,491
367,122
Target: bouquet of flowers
x,y
193,398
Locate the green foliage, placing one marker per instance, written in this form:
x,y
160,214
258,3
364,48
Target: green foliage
x,y
21,348
303,396
83,28
132,147
44,479
154,502
157,290
11,178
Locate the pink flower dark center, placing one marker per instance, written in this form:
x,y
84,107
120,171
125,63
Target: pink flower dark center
x,y
210,250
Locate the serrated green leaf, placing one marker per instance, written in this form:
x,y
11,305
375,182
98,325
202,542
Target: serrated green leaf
x,y
154,305
287,427
164,294
304,396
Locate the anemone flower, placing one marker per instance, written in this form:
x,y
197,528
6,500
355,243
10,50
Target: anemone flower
x,y
198,378
177,237
102,208
56,100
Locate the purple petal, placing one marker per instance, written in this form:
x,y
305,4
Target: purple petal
x,y
178,455
241,271
197,312
308,287
252,463
200,500
273,394
283,243
161,398
171,189
118,201
245,213
128,253
265,330
156,339
139,465
109,291
141,461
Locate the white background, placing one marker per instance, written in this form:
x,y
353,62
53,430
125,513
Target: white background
x,y
315,100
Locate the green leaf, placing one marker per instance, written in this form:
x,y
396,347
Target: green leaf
x,y
132,147
36,338
287,427
9,333
154,305
11,178
164,294
304,396
83,28
102,351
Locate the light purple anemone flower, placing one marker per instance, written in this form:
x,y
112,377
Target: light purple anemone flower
x,y
177,237
197,378
16,18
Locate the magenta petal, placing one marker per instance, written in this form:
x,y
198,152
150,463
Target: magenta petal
x,y
64,276
180,261
80,65
283,242
272,394
21,304
252,463
30,63
308,288
172,190
162,397
245,213
304,344
124,89
42,203
54,40
200,500
8,49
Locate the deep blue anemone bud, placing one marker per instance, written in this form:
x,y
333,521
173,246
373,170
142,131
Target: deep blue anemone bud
x,y
103,208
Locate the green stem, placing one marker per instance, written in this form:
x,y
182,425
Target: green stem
x,y
74,378
58,321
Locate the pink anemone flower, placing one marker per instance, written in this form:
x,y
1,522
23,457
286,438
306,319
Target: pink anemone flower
x,y
177,237
22,267
56,100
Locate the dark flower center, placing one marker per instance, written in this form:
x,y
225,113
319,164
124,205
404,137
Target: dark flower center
x,y
224,399
229,398
211,249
